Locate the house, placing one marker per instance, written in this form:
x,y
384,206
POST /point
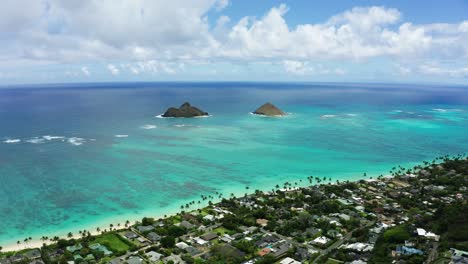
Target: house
x,y
192,251
56,253
32,254
459,256
361,247
101,248
187,224
402,250
289,260
209,236
173,258
119,260
134,260
281,251
182,245
226,238
74,248
200,241
153,256
209,217
143,229
321,240
304,253
428,235
130,235
141,240
153,237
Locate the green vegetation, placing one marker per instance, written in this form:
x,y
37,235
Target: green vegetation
x,y
113,241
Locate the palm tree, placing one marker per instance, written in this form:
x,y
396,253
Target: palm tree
x,y
18,243
127,223
70,234
98,229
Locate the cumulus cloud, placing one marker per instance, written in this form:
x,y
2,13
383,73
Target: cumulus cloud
x,y
296,67
155,36
221,4
85,71
435,69
113,69
303,68
151,67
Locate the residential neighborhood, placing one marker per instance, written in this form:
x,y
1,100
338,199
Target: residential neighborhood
x,y
411,215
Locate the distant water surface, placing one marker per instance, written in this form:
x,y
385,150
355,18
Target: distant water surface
x,y
72,156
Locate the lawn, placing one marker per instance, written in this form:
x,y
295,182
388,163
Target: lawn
x,y
221,230
113,241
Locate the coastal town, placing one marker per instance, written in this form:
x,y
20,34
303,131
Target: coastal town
x,y
411,215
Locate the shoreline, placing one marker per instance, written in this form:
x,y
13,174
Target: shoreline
x,y
238,191
36,242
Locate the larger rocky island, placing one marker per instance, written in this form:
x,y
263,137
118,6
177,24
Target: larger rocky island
x,y
185,110
269,109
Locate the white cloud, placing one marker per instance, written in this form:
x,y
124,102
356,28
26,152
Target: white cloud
x,y
113,69
85,71
435,69
156,36
152,67
221,4
357,34
303,68
296,67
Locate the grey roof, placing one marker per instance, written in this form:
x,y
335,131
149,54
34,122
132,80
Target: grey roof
x,y
130,235
32,254
145,228
134,260
153,236
209,236
187,224
283,249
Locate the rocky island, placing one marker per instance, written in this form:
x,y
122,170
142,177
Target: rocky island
x,y
269,109
185,110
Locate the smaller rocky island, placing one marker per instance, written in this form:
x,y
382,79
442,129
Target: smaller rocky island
x,y
269,109
185,110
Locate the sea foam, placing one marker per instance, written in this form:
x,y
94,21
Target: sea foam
x,y
121,136
76,141
149,127
36,140
12,141
49,138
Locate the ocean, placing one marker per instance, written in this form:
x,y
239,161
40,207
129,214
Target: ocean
x,y
76,156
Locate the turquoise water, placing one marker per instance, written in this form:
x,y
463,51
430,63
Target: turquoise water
x,y
74,157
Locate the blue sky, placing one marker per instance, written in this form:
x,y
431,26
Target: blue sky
x,y
55,41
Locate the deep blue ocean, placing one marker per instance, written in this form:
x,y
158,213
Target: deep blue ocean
x,y
79,156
